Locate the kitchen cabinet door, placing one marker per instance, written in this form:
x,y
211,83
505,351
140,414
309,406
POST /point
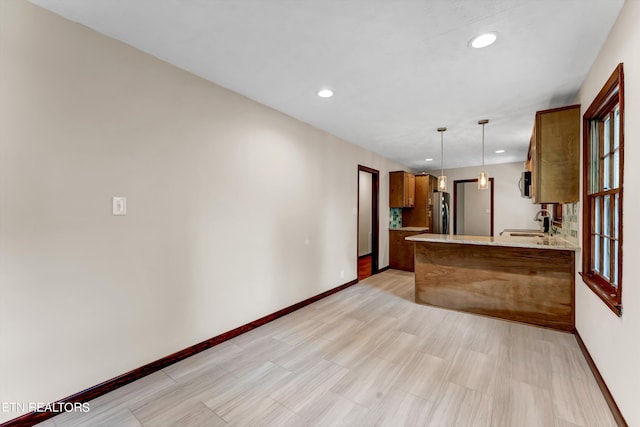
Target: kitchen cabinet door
x,y
554,156
401,251
422,212
401,189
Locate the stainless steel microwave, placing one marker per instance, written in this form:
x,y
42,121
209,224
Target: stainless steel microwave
x,y
525,184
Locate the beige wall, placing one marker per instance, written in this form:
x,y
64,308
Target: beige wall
x,y
614,343
477,208
510,210
234,210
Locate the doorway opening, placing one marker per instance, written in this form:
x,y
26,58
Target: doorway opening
x,y
368,221
472,208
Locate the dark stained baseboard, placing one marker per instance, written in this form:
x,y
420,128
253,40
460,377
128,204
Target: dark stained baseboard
x,y
32,418
383,269
617,415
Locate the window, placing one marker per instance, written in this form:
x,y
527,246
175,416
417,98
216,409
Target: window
x,y
603,154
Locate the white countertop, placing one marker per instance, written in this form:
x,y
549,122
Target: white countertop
x,y
547,242
409,229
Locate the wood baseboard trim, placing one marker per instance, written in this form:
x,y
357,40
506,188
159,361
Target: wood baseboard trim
x,y
380,270
91,393
608,397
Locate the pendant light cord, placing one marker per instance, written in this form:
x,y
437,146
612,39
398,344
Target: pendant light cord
x,y
483,146
441,155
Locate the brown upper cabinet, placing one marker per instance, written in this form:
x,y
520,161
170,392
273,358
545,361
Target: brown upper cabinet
x,y
402,187
422,213
554,156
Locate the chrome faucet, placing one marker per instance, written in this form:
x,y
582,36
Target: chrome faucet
x,y
546,225
541,211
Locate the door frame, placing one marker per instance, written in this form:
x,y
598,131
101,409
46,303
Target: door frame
x,y
455,201
375,217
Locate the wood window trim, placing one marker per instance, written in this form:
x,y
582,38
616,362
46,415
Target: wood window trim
x,y
599,287
611,94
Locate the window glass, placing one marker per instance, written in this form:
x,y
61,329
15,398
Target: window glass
x,y
616,128
614,278
596,204
616,169
606,172
616,214
606,136
606,260
595,159
596,262
606,217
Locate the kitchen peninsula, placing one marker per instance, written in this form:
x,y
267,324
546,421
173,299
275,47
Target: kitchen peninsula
x,y
526,279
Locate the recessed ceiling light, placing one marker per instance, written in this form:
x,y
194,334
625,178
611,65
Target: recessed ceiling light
x,y
499,151
325,93
483,40
428,160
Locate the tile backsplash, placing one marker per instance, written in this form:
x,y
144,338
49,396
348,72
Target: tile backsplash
x,y
395,217
569,231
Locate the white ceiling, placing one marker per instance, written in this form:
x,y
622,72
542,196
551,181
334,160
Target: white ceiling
x,y
399,69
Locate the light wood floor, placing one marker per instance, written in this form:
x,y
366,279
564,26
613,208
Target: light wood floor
x,y
368,356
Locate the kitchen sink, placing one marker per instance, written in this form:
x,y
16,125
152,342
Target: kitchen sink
x,y
522,233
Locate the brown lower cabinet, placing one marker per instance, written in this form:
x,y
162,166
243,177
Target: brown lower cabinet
x,y
401,251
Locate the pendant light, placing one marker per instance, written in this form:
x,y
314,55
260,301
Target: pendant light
x,y
442,180
483,180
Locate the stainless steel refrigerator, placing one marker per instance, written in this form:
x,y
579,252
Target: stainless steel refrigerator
x,y
441,217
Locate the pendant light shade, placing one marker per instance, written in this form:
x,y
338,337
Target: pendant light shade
x,y
442,180
483,180
442,183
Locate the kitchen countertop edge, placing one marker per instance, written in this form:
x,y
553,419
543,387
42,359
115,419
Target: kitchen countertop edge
x,y
409,229
553,243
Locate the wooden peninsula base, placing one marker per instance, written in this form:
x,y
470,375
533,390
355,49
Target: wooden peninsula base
x,y
528,285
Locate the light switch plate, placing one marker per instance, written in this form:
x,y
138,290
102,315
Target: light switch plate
x,y
119,205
